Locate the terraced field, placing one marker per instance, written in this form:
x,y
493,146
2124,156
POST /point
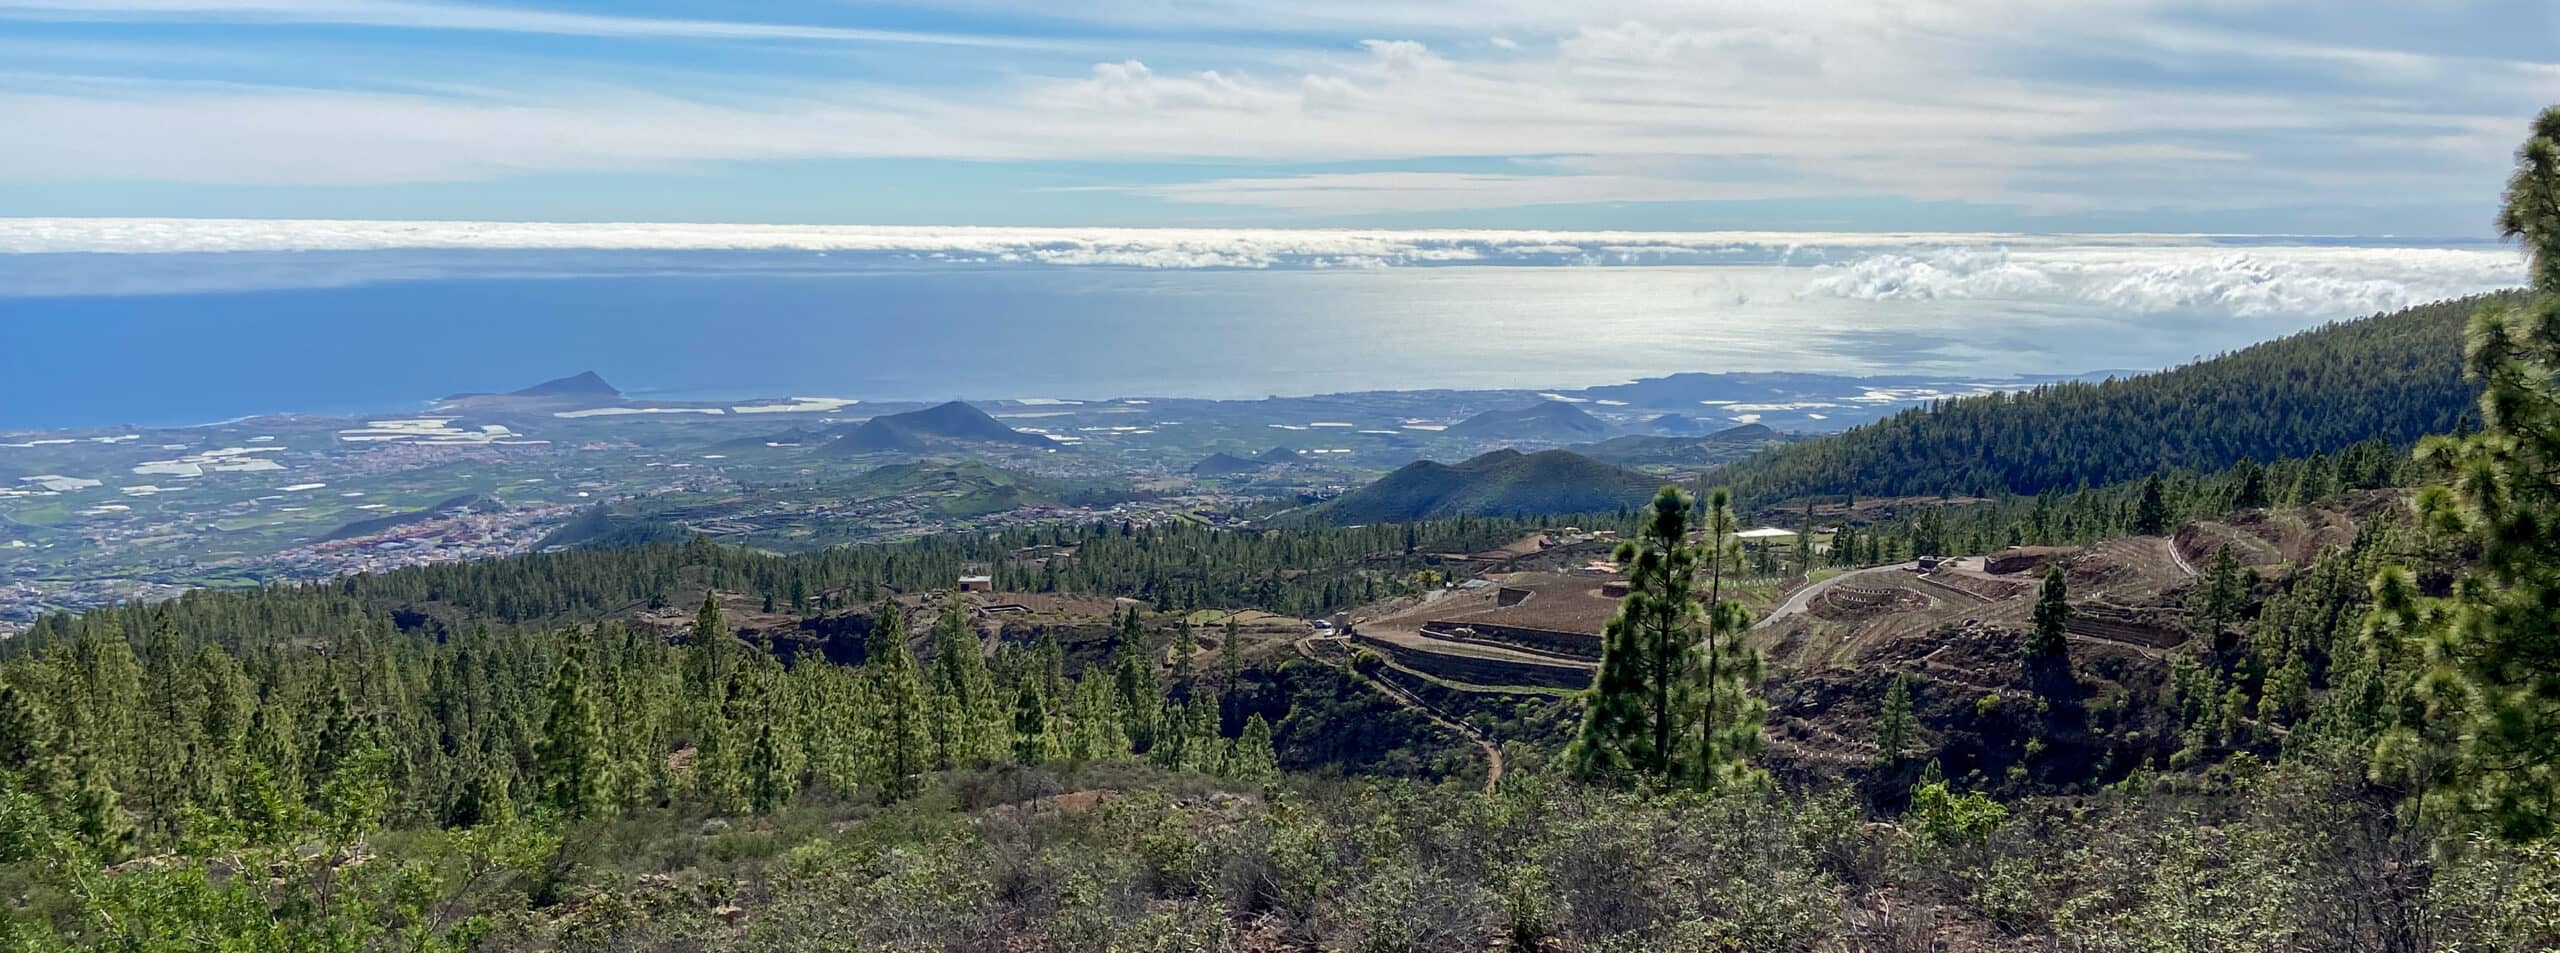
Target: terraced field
x,y
1536,631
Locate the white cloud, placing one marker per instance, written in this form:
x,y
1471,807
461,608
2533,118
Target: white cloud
x,y
431,15
2276,280
2244,277
1243,245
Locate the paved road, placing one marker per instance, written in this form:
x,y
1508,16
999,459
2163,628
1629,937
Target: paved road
x,y
1804,597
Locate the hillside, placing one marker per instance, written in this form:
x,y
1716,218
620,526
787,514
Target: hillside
x,y
959,421
1551,420
2395,376
583,389
915,431
1224,464
875,436
583,385
1501,483
1678,424
470,502
1636,450
954,488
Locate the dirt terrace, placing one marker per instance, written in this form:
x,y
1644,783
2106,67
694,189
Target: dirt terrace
x,y
1547,636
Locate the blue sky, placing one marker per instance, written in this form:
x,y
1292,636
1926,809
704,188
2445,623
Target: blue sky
x,y
2100,115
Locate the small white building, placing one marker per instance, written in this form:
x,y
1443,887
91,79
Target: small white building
x,y
977,583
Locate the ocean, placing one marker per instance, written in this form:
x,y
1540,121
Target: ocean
x,y
97,340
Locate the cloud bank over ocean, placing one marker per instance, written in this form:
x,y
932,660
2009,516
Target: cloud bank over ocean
x,y
2237,276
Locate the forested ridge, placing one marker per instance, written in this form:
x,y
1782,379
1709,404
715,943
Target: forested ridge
x,y
2395,376
1305,570
1495,484
2150,505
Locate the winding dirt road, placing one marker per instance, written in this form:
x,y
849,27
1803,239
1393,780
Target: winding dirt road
x,y
1492,752
1804,597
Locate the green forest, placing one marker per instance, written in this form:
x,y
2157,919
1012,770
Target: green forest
x,y
2359,754
2394,377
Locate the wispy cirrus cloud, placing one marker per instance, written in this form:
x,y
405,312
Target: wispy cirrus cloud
x,y
470,17
1401,108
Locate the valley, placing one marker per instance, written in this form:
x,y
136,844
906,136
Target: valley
x,y
96,516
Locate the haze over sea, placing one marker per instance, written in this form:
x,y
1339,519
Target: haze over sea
x,y
172,322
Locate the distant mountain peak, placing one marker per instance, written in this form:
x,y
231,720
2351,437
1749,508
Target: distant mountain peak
x,y
1225,464
952,420
1504,482
1545,420
581,384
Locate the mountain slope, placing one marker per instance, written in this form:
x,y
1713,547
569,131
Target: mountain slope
x,y
2395,376
954,487
584,384
959,421
1551,420
912,431
874,436
1224,464
954,420
581,390
1640,450
1501,483
466,503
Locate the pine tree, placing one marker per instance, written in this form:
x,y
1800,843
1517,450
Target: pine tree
x,y
355,778
571,761
484,801
1173,737
1730,714
1050,662
2250,489
2483,661
969,725
903,750
97,817
2151,515
1250,757
106,724
1139,695
1630,721
1033,742
27,736
226,706
2051,638
276,746
2218,599
713,660
1098,733
1230,657
718,768
769,783
1895,726
1185,666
